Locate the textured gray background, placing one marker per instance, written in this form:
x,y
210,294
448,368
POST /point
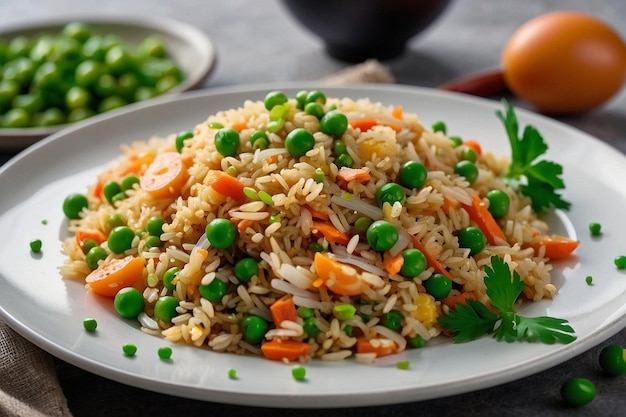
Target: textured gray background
x,y
258,41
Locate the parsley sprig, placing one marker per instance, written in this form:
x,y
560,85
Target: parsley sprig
x,y
538,180
474,319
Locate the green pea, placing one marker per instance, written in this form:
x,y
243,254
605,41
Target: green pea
x,y
76,115
468,170
49,117
111,103
414,263
227,141
259,140
246,268
88,244
620,262
74,204
16,118
8,90
310,327
110,189
166,84
87,73
299,141
499,203
19,46
390,193
221,233
214,291
118,60
382,235
468,154
153,46
120,239
473,239
165,308
115,220
232,373
339,147
35,245
47,76
319,175
301,99
612,360
95,254
105,85
404,365
456,141
90,324
305,312
413,174
165,353
416,342
344,160
314,109
438,285
393,320
128,182
578,391
76,30
129,302
143,93
129,349
334,123
168,278
253,328
298,372
153,242
439,126
154,226
595,229
31,102
316,97
362,223
274,98
316,247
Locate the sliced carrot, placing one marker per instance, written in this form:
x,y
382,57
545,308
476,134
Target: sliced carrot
x,y
430,259
393,263
239,126
244,224
557,247
381,347
225,184
111,277
82,235
280,350
317,214
474,145
363,124
283,309
480,214
339,278
397,112
353,174
165,176
448,204
136,163
330,233
452,300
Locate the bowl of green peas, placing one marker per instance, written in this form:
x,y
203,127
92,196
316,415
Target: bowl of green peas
x,y
54,73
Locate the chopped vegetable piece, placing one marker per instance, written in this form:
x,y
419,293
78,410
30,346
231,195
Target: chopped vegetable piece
x,y
82,235
232,373
281,350
379,346
452,300
35,245
557,247
339,278
283,309
225,184
480,214
589,280
403,365
165,176
165,352
348,174
595,229
344,311
330,232
393,263
111,277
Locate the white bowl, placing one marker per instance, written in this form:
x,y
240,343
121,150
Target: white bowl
x,y
190,48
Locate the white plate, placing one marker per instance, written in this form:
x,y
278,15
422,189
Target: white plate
x,y
49,311
191,49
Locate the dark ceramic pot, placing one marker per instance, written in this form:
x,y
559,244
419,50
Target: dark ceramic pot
x,y
355,30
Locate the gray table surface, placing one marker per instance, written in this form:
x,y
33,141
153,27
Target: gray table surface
x,y
258,41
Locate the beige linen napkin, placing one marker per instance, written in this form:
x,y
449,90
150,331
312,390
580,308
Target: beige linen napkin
x,y
28,382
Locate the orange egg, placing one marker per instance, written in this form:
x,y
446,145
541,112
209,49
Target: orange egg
x,y
565,62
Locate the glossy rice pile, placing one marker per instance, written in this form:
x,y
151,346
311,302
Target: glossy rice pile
x,y
282,236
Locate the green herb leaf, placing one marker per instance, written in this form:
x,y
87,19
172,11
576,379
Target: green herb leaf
x,y
473,319
538,180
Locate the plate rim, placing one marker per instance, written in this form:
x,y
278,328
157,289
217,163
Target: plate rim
x,y
105,370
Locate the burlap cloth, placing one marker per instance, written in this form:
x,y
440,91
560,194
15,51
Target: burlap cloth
x,y
29,386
